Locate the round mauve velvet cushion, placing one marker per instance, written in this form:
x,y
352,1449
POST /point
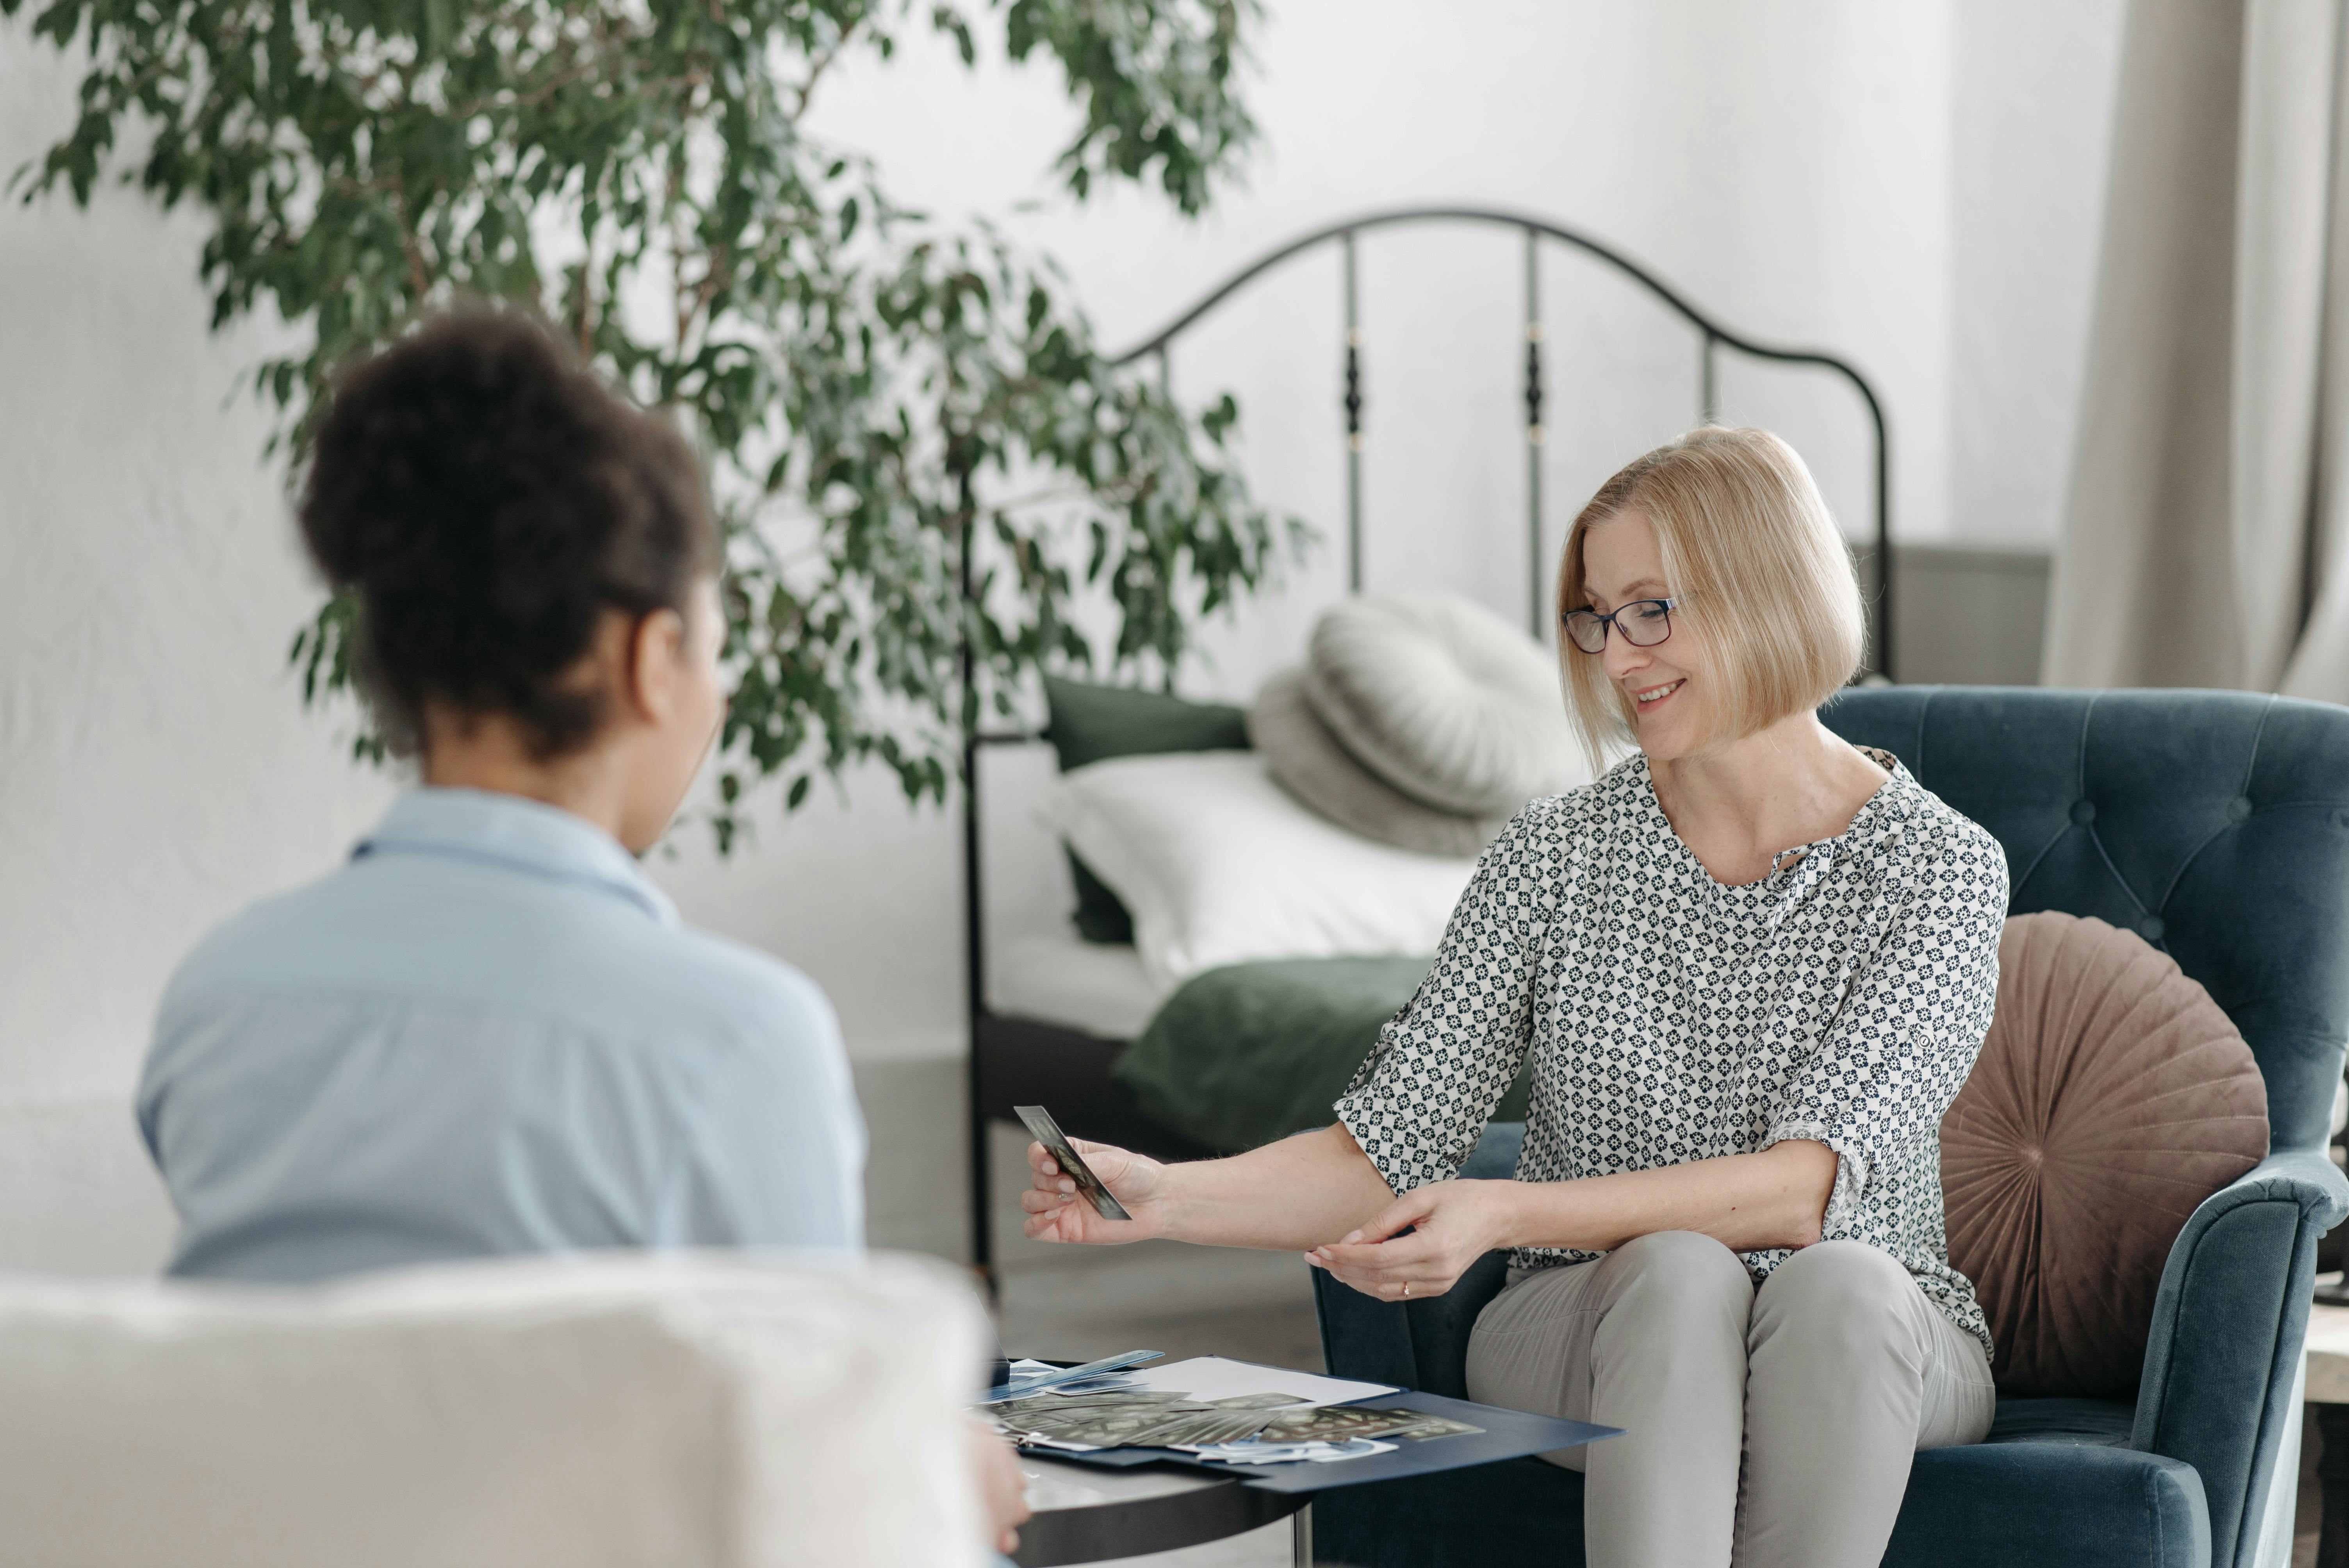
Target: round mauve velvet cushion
x,y
2111,1098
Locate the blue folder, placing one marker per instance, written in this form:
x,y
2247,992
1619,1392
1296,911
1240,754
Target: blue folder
x,y
1507,1435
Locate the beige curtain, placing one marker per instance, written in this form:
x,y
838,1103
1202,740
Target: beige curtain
x,y
2206,536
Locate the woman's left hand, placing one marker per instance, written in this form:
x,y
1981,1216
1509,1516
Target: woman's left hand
x,y
1457,1222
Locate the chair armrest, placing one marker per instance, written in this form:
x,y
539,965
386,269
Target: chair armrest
x,y
2225,1341
2050,1505
1421,1344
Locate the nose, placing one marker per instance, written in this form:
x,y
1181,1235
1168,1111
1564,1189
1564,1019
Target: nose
x,y
1623,659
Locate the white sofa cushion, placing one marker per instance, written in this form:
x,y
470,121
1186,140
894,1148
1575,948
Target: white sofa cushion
x,y
690,1409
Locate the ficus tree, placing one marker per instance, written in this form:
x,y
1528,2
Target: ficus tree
x,y
890,407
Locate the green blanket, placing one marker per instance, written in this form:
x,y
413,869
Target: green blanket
x,y
1244,1054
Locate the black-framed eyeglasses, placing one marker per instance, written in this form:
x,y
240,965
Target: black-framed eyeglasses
x,y
1644,623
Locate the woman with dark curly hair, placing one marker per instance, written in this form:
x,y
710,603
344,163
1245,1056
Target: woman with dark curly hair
x,y
488,1033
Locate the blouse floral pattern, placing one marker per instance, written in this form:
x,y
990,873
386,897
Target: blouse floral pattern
x,y
1669,1019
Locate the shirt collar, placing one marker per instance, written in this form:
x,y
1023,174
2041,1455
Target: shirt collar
x,y
484,825
1875,825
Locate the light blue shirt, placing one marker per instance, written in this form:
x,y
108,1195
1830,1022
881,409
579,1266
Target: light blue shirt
x,y
487,1034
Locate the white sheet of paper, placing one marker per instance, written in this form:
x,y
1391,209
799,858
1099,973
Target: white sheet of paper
x,y
1213,1377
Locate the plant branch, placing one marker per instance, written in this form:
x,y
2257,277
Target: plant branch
x,y
845,362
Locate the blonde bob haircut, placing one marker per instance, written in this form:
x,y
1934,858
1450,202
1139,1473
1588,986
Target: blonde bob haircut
x,y
1751,558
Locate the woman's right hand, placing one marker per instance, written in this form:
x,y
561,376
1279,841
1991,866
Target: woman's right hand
x,y
1057,1212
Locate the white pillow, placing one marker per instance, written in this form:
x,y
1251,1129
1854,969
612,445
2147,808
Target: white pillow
x,y
1219,865
596,1412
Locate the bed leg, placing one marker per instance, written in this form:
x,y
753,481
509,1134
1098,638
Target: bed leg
x,y
982,1195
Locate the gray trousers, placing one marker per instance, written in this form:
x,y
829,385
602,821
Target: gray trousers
x,y
1771,1429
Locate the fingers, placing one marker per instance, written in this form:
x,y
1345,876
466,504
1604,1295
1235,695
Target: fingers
x,y
1059,1217
1407,1258
1044,1171
1055,1210
1041,1159
1002,1490
1382,1269
1419,1284
1431,1278
1400,1215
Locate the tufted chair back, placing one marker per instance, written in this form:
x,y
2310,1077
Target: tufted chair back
x,y
2214,824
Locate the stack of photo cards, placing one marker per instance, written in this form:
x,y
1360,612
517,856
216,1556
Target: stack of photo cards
x,y
1239,1414
1135,1419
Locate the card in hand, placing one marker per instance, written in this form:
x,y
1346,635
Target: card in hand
x,y
1047,1133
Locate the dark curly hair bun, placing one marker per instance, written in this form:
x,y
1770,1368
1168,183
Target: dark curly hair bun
x,y
486,498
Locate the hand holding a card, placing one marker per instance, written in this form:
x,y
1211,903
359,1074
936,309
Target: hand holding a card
x,y
1083,1191
1295,1192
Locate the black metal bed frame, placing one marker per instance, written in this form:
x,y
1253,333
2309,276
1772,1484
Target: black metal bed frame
x,y
1017,1060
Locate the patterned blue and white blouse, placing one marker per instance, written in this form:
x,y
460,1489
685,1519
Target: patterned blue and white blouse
x,y
1670,1018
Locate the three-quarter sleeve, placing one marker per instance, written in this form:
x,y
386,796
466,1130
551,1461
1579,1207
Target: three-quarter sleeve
x,y
1419,1101
1899,1048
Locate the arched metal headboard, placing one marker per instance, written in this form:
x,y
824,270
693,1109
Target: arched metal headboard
x,y
1712,338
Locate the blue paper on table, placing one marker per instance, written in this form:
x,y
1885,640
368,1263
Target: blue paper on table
x,y
1020,1385
1507,1435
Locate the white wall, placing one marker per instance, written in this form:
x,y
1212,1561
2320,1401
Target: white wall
x,y
156,769
1912,186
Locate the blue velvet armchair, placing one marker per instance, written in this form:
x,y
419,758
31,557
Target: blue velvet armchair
x,y
2215,824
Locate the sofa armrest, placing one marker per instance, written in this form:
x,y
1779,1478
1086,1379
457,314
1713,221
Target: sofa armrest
x,y
2226,1336
1421,1344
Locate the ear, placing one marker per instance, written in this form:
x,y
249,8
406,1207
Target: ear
x,y
654,662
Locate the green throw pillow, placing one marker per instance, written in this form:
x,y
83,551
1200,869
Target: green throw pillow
x,y
1090,723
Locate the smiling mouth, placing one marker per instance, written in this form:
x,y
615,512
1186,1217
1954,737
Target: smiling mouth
x,y
1655,695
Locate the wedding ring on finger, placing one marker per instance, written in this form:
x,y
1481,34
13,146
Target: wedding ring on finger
x,y
1406,1290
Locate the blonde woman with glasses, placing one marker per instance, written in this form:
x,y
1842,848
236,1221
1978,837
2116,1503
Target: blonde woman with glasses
x,y
1749,968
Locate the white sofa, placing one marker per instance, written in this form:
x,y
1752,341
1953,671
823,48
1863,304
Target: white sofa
x,y
688,1411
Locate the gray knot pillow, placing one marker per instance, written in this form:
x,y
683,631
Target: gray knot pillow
x,y
1445,701
1305,759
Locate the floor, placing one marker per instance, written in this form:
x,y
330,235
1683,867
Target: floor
x,y
1070,1303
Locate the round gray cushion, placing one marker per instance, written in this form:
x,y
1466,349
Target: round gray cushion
x,y
1443,700
1305,759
